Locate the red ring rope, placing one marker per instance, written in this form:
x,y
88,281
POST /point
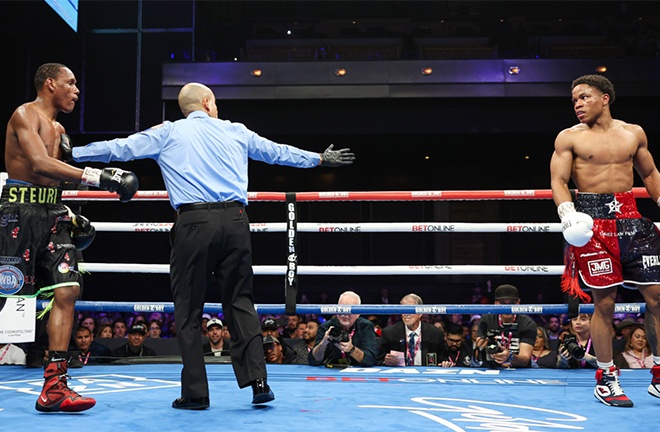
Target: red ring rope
x,y
529,194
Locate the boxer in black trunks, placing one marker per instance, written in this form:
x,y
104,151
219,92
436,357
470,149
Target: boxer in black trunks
x,y
608,242
36,244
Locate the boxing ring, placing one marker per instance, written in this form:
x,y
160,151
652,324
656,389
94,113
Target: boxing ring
x,y
364,399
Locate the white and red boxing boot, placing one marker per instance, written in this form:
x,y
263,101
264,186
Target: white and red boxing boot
x,y
608,390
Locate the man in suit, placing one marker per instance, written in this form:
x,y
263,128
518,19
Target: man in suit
x,y
411,342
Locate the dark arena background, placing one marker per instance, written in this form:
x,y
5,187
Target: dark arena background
x,y
461,130
430,96
470,125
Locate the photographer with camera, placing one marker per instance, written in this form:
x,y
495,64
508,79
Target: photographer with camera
x,y
576,346
505,340
346,339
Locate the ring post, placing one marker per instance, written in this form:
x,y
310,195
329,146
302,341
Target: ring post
x,y
291,276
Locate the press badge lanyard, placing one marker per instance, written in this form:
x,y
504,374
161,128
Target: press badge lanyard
x,y
586,350
4,353
455,360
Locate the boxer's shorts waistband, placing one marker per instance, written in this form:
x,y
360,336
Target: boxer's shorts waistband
x,y
29,194
621,205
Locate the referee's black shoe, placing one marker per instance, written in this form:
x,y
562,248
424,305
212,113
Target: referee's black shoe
x,y
191,403
261,392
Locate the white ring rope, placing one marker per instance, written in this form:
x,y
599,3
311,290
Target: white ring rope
x,y
362,227
413,270
417,227
421,227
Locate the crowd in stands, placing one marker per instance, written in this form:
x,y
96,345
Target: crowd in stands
x,y
380,340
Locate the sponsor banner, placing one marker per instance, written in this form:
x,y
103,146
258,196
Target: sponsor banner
x,y
530,193
334,194
433,310
17,319
628,308
339,309
600,267
152,227
434,194
149,308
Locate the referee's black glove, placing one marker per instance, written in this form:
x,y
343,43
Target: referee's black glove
x,y
335,158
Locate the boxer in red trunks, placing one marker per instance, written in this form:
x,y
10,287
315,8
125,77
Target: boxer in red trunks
x,y
625,247
609,243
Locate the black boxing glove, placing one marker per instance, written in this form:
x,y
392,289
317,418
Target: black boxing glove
x,y
335,158
83,232
125,183
66,148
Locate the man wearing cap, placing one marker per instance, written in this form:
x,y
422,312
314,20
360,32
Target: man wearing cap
x,y
278,353
134,346
205,319
505,340
217,345
269,328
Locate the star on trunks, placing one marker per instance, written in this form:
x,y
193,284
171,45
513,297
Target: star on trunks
x,y
614,205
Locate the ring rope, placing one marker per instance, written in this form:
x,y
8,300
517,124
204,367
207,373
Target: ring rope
x,y
329,227
364,309
416,270
354,270
530,194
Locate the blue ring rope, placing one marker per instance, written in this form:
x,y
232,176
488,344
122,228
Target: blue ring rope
x,y
364,309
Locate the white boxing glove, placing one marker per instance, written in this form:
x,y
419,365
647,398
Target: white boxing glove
x,y
576,226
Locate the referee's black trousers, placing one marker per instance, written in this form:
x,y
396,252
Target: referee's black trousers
x,y
206,243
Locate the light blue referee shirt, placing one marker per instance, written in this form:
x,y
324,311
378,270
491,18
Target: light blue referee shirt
x,y
202,159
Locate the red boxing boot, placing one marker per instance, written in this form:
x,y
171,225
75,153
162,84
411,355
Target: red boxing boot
x,y
56,395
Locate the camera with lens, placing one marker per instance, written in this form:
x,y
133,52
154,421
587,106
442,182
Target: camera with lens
x,y
337,334
571,345
492,345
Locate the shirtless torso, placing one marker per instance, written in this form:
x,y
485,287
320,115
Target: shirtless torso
x,y
32,143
